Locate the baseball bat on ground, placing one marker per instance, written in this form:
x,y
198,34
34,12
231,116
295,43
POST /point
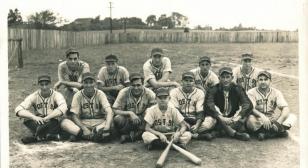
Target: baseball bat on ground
x,y
160,162
196,160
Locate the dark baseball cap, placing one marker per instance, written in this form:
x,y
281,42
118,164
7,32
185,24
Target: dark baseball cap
x,y
162,92
188,74
111,58
134,76
157,51
225,69
71,51
247,55
265,73
44,78
205,58
88,75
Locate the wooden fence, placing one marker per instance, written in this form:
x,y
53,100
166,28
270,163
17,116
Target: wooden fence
x,y
40,39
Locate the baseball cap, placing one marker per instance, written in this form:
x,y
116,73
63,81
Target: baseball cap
x,y
265,73
70,51
157,51
134,76
162,92
88,75
205,58
111,58
247,55
44,78
188,75
225,69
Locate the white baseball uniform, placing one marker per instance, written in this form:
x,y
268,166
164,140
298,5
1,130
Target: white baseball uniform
x,y
247,81
152,72
210,80
121,76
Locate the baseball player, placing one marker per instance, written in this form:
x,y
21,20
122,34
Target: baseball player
x,y
157,70
189,101
162,119
229,104
69,74
112,78
204,77
130,106
47,106
265,120
92,115
245,74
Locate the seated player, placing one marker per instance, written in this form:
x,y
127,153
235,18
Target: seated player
x,y
130,107
265,120
204,77
91,114
112,78
245,74
157,70
229,104
47,105
69,74
189,101
162,119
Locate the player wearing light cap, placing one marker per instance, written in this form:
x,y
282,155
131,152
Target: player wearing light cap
x,y
112,78
47,106
157,70
91,117
130,107
204,77
229,104
189,101
69,74
162,119
245,74
265,120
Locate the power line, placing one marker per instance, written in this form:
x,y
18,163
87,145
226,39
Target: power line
x,y
110,7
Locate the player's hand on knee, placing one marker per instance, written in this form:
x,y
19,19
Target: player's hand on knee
x,y
87,134
176,136
135,119
162,137
266,122
194,128
38,120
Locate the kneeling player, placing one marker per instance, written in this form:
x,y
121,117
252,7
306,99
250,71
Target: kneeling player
x,y
48,105
161,119
265,121
91,114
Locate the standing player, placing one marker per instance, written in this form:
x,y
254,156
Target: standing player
x,y
69,74
91,113
157,70
229,104
265,121
161,119
189,101
204,77
245,74
112,78
129,108
47,106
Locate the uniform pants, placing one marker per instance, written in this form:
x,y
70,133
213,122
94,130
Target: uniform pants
x,y
51,127
207,124
148,137
124,124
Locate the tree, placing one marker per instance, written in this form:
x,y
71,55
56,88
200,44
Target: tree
x,y
151,20
163,20
44,19
14,17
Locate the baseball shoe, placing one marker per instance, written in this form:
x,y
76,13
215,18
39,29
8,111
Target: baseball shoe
x,y
241,136
28,140
125,138
206,136
53,137
261,136
73,138
156,144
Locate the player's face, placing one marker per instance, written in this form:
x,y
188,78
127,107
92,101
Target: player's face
x,y
88,85
263,82
246,63
72,61
205,66
137,87
111,67
156,59
225,79
45,86
188,83
162,101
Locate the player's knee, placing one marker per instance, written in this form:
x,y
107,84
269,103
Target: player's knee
x,y
208,124
251,123
119,121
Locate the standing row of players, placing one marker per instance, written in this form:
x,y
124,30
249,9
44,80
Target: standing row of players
x,y
236,103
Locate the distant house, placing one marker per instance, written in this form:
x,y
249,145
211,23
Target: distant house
x,y
181,22
83,21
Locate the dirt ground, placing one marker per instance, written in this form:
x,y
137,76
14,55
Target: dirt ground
x,y
221,152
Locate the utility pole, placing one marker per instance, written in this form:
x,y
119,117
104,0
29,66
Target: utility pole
x,y
110,7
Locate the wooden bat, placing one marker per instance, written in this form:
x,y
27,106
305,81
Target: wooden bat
x,y
196,160
160,162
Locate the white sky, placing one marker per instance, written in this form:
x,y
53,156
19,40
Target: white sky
x,y
268,14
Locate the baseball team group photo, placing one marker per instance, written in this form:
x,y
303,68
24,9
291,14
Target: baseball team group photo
x,y
162,90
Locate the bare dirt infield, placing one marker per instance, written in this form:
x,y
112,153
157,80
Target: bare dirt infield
x,y
221,152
